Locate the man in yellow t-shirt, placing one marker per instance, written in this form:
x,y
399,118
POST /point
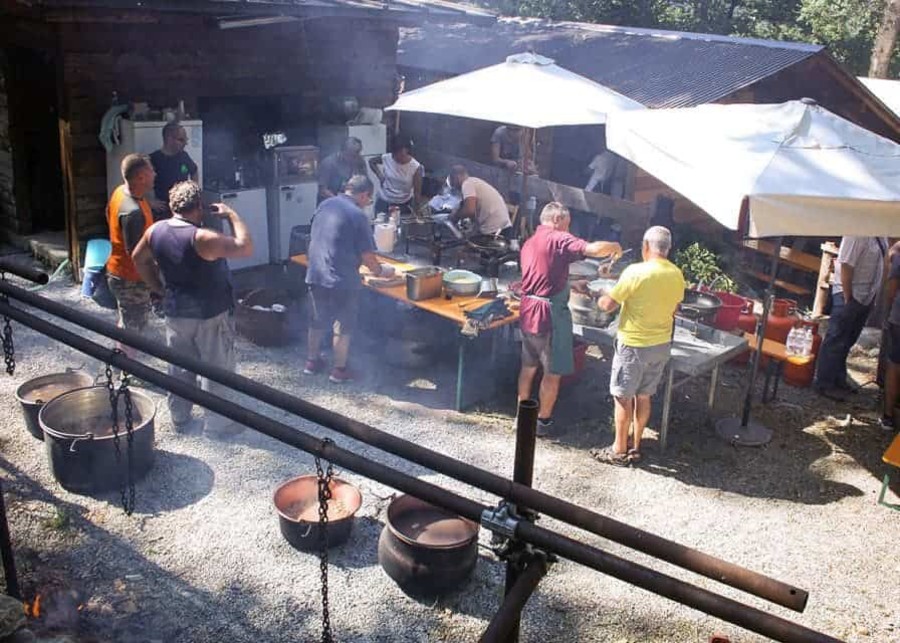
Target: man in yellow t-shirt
x,y
648,292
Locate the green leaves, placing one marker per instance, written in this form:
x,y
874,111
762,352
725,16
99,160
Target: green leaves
x,y
700,265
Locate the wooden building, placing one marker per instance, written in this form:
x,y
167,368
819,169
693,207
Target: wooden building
x,y
63,63
656,68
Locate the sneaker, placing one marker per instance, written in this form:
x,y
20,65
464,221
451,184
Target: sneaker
x,y
193,425
313,367
545,428
340,375
886,423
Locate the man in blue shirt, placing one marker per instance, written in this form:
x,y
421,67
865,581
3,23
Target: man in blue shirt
x,y
340,242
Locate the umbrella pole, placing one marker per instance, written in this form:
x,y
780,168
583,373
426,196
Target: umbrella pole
x,y
746,432
525,226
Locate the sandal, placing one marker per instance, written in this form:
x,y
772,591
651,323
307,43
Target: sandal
x,y
608,456
635,455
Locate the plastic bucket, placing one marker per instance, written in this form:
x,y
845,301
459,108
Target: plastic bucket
x,y
729,313
96,254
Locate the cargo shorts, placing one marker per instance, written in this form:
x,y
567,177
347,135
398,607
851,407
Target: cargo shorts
x,y
637,371
333,308
132,301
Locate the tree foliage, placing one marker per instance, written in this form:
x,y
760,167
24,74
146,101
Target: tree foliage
x,y
846,27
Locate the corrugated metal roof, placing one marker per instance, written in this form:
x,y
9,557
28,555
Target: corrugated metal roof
x,y
657,68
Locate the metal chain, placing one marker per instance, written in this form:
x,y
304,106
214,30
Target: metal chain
x,y
127,489
323,479
124,391
9,349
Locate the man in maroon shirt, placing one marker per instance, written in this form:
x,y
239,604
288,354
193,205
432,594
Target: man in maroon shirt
x,y
544,315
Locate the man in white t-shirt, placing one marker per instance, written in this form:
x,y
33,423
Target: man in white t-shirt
x,y
858,275
400,177
481,202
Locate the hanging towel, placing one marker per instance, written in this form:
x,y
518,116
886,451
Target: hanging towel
x,y
109,126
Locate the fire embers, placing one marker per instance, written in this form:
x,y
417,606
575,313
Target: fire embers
x,y
50,617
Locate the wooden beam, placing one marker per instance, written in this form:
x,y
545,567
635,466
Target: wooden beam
x,y
72,240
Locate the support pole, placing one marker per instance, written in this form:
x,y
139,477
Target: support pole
x,y
505,624
9,562
523,473
688,558
680,591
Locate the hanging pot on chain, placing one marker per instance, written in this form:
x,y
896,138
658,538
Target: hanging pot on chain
x,y
81,447
33,394
427,550
297,504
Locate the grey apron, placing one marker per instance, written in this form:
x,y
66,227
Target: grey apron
x,y
562,361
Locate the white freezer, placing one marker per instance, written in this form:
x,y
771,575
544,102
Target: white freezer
x,y
250,205
289,206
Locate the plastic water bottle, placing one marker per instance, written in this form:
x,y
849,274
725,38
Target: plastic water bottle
x,y
807,342
792,346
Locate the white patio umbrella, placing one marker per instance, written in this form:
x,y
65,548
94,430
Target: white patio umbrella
x,y
527,90
768,170
802,169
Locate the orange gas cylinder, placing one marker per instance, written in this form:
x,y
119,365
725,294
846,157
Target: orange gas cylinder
x,y
782,318
747,323
802,376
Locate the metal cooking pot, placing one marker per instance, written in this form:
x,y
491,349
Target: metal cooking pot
x,y
699,306
297,504
462,282
34,393
426,550
80,444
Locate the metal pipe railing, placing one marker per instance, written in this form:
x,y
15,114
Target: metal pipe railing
x,y
752,619
6,552
671,552
37,276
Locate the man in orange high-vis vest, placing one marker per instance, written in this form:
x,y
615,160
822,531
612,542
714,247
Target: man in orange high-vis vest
x,y
128,215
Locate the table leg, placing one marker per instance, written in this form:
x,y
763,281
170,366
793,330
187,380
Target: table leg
x,y
765,392
713,383
460,368
667,408
779,371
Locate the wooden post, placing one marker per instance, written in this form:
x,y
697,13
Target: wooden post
x,y
72,241
823,286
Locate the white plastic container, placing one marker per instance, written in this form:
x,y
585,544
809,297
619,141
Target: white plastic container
x,y
385,237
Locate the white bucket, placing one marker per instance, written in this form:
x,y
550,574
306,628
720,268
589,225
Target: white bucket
x,y
385,237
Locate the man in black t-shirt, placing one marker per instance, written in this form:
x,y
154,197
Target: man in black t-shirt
x,y
172,165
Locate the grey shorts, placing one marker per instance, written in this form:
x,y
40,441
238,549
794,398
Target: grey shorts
x,y
536,350
637,371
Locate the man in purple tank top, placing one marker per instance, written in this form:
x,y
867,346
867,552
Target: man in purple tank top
x,y
186,265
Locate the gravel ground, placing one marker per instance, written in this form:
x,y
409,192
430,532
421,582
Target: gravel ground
x,y
202,559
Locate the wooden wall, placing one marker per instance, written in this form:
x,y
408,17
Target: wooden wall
x,y
7,193
160,59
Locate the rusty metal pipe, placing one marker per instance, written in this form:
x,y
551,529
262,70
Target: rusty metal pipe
x,y
37,276
730,610
505,623
677,554
9,561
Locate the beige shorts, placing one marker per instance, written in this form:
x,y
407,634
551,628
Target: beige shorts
x,y
637,371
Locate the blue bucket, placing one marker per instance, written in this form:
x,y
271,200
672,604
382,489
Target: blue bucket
x,y
98,251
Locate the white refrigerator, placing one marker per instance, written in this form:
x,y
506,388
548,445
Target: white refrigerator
x,y
290,205
145,137
250,204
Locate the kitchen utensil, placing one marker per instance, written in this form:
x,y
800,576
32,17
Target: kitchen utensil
x,y
425,549
699,306
462,282
424,283
297,504
78,436
36,392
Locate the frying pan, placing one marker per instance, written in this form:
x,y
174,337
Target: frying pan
x,y
699,306
489,243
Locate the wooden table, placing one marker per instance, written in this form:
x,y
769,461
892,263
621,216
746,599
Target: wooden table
x,y
450,309
778,355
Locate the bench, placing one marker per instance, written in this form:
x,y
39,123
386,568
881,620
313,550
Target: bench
x,y
777,354
788,257
891,458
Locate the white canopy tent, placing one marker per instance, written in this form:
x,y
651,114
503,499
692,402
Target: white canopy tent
x,y
803,170
799,170
527,90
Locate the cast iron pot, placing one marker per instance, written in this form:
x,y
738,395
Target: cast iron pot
x,y
426,550
79,439
297,504
34,393
699,306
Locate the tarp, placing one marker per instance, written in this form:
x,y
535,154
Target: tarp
x,y
803,170
527,90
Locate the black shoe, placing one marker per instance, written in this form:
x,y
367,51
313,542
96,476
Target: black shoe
x,y
832,393
886,423
546,428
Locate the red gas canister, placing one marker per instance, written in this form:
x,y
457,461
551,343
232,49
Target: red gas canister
x,y
782,318
802,376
